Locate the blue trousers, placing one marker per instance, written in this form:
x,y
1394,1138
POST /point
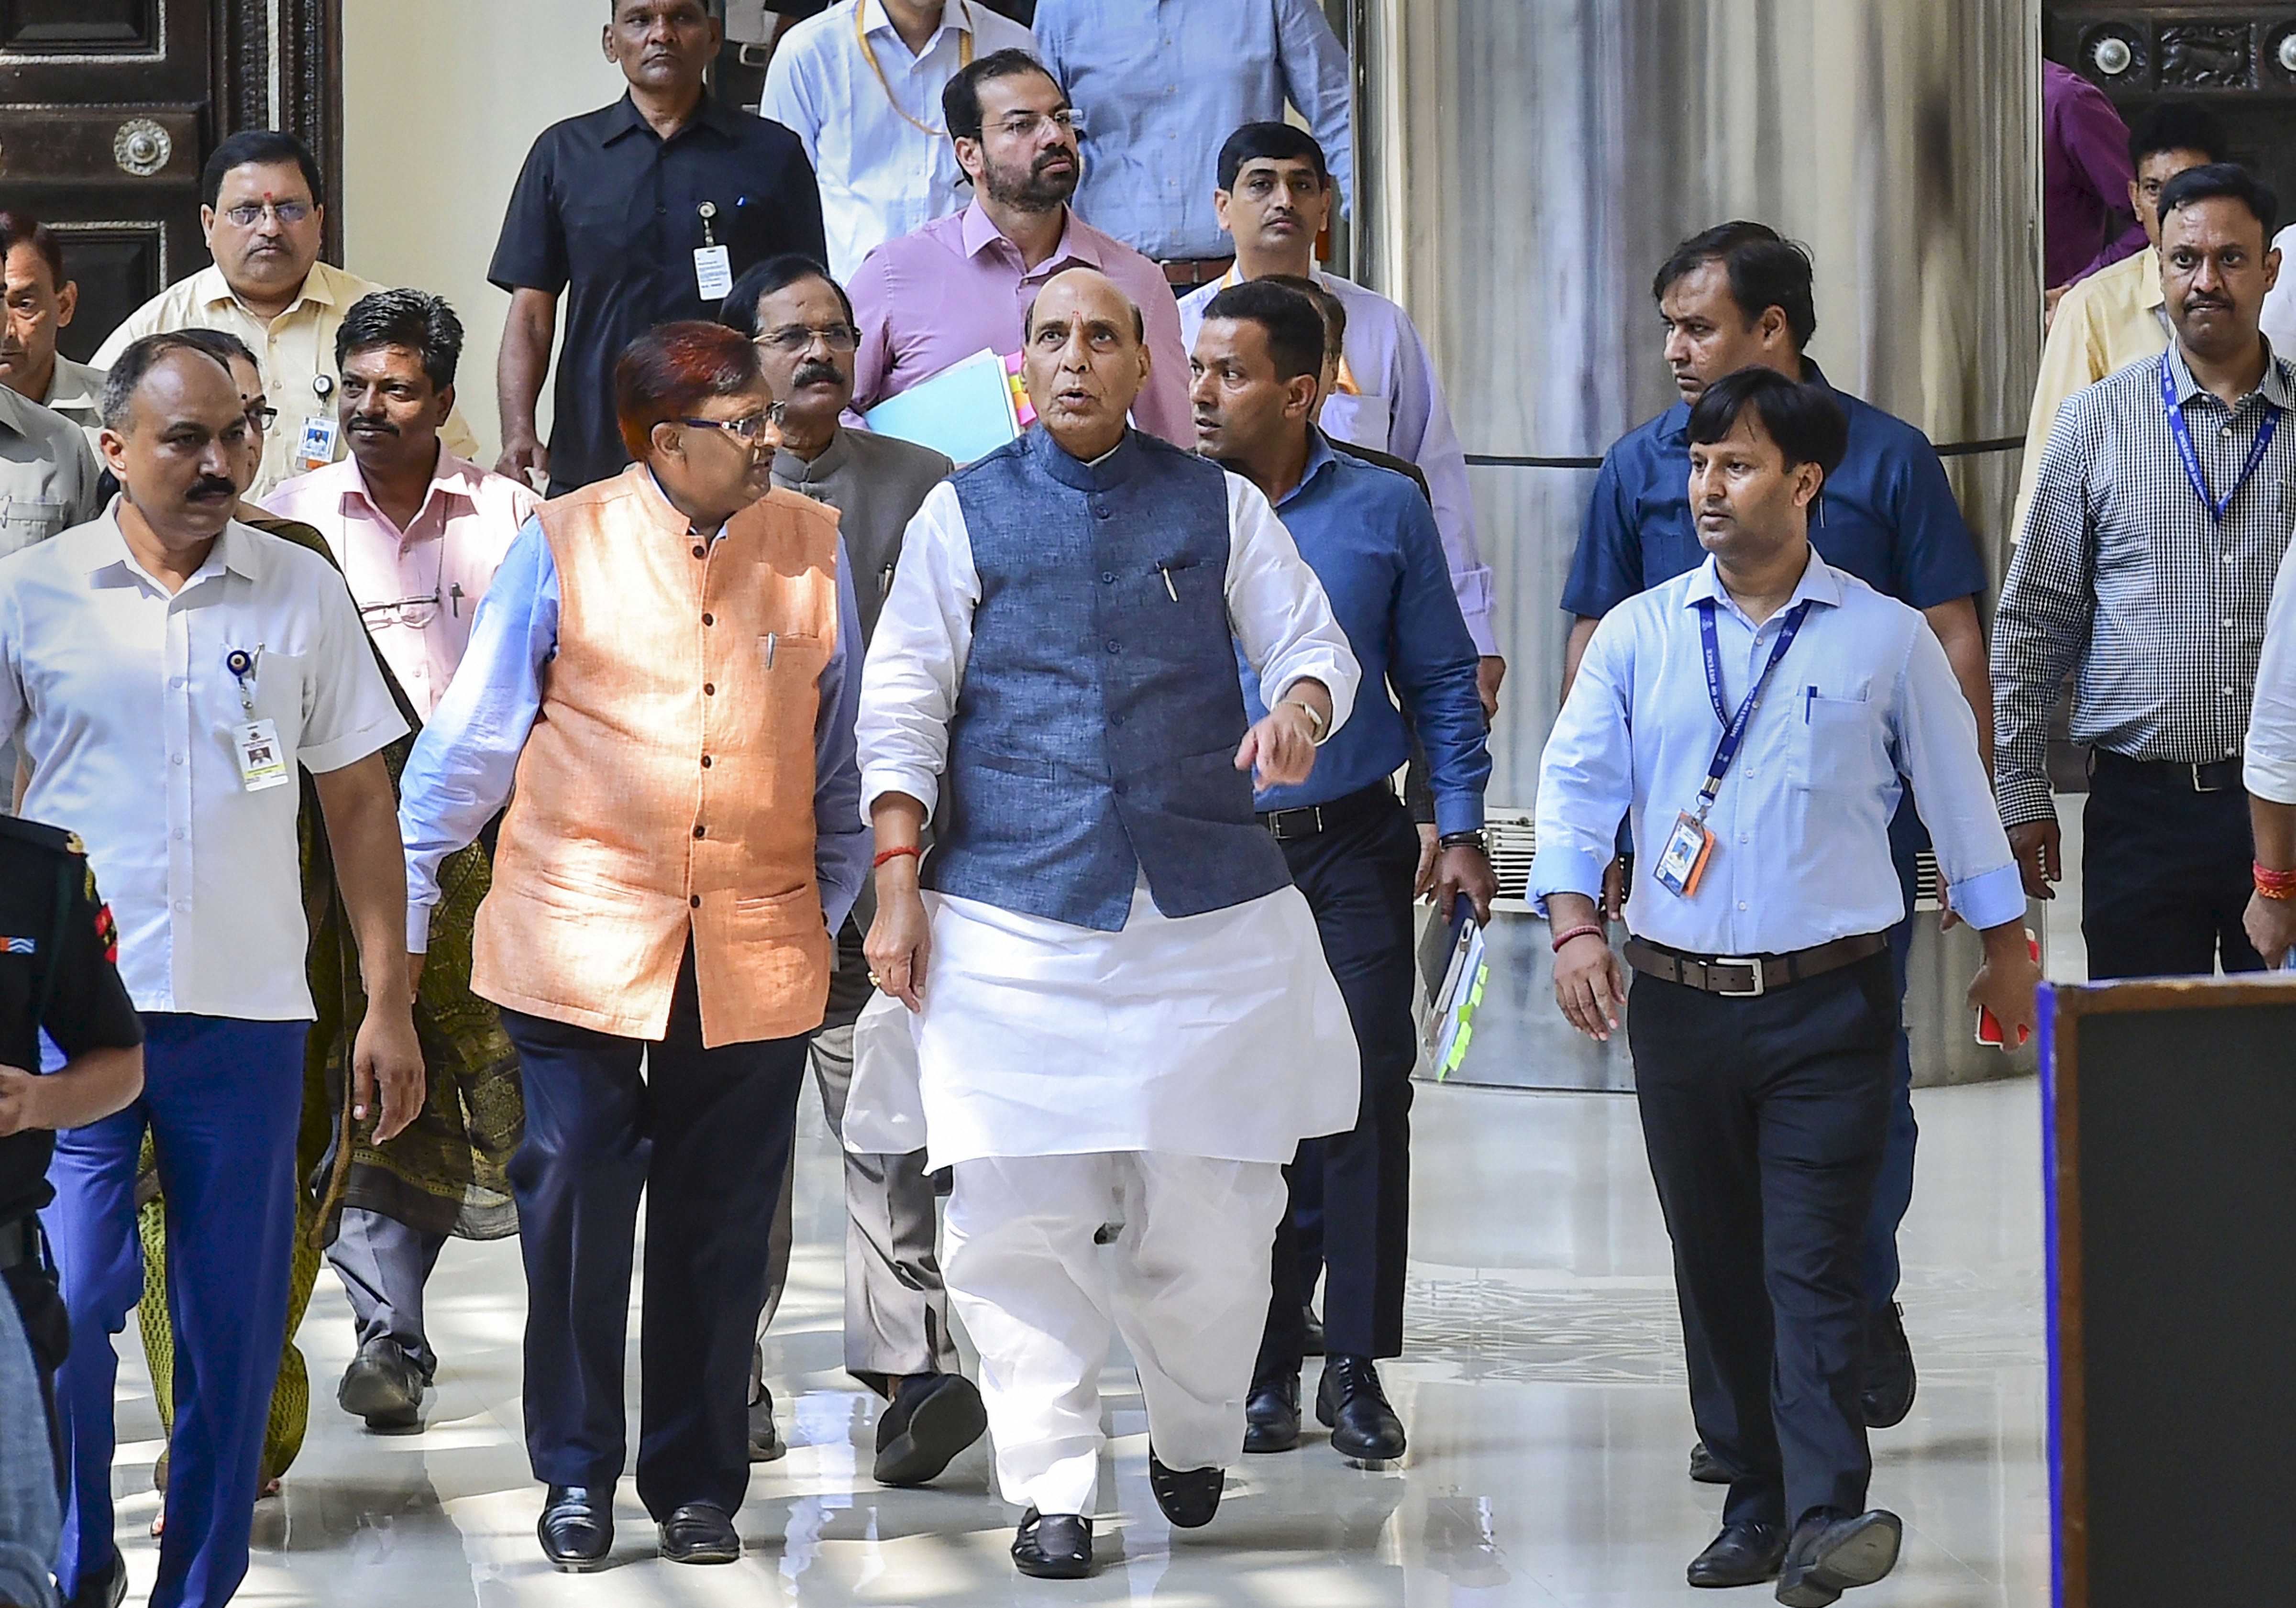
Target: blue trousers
x,y
703,1135
222,1098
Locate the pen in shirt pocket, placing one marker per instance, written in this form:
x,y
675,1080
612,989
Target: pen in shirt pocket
x,y
1809,699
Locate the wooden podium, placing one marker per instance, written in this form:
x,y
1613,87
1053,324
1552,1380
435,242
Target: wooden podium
x,y
2169,1124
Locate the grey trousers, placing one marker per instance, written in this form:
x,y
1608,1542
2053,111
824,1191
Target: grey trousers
x,y
32,1509
384,1266
896,1305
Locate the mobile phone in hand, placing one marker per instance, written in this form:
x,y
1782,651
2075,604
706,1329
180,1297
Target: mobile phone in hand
x,y
1989,1026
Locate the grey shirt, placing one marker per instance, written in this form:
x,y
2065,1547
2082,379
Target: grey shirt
x,y
876,483
76,390
47,474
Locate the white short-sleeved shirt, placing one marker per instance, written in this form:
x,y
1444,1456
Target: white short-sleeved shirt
x,y
120,699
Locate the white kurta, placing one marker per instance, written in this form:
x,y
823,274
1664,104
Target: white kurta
x,y
1219,1035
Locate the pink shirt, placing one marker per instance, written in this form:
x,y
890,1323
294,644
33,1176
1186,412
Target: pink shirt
x,y
934,297
435,570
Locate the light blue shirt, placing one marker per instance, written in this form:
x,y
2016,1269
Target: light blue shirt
x,y
1863,702
466,757
1163,82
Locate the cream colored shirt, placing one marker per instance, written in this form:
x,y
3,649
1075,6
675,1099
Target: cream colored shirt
x,y
76,390
2108,321
296,351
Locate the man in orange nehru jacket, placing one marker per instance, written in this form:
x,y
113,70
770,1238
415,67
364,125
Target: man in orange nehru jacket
x,y
665,666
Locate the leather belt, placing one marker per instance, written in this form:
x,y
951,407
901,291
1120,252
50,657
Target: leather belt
x,y
1751,976
1288,825
1189,272
2217,776
20,1241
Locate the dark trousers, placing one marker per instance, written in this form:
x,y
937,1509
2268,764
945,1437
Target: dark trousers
x,y
1893,1192
2165,878
1766,1119
1357,879
704,1134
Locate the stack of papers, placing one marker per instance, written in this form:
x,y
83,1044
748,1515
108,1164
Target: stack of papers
x,y
965,411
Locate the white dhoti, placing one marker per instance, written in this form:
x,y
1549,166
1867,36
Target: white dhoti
x,y
1172,1067
1185,1283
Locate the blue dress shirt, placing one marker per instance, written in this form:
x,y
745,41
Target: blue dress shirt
x,y
1163,82
1369,537
466,757
1887,516
1862,699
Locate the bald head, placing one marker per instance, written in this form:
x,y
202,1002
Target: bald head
x,y
1086,359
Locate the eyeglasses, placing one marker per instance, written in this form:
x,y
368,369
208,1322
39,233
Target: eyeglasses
x,y
1026,125
793,337
260,418
747,428
415,611
288,212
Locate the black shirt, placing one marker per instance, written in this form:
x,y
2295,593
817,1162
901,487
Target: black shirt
x,y
607,213
52,925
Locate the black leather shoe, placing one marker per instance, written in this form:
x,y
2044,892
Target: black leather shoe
x,y
929,1420
1890,1381
106,1589
1350,1403
1706,1468
698,1533
1311,1332
577,1529
383,1386
1744,1554
1188,1496
1271,1415
766,1443
1832,1553
1053,1547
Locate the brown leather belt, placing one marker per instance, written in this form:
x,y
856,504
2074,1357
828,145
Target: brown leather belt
x,y
1749,976
1186,273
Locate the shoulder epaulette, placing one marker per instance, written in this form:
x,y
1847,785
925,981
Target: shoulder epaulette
x,y
41,836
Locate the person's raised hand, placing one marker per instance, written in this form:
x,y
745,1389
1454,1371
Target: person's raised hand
x,y
1280,751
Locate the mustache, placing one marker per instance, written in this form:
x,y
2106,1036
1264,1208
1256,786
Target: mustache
x,y
373,424
210,487
816,374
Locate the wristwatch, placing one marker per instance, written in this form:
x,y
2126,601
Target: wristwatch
x,y
1477,839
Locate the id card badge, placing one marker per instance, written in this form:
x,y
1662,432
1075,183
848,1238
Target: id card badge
x,y
262,761
316,449
1683,861
713,272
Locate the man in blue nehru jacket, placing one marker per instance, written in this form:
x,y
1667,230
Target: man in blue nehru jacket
x,y
1348,841
1115,986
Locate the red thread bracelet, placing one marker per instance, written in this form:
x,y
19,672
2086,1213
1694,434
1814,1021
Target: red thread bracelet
x,y
895,854
2274,885
1589,931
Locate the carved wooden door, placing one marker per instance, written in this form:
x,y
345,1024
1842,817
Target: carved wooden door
x,y
105,116
2240,60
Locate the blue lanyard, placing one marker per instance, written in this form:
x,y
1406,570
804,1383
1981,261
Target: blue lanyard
x,y
2183,433
1733,727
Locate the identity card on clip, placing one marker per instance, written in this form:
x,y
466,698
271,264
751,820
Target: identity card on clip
x,y
316,449
262,761
1683,861
713,272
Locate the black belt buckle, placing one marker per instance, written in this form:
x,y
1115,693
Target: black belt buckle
x,y
1284,824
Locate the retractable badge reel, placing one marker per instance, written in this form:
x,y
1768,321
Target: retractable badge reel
x,y
713,264
255,743
322,432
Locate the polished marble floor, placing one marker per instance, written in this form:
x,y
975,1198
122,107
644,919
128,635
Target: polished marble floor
x,y
1543,1391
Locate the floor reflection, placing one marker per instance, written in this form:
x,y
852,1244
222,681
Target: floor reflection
x,y
1543,1395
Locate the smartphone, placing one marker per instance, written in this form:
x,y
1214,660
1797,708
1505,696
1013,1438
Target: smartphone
x,y
1989,1026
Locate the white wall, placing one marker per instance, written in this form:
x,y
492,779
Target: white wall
x,y
441,100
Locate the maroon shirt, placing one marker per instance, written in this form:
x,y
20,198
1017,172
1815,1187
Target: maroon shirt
x,y
2085,224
